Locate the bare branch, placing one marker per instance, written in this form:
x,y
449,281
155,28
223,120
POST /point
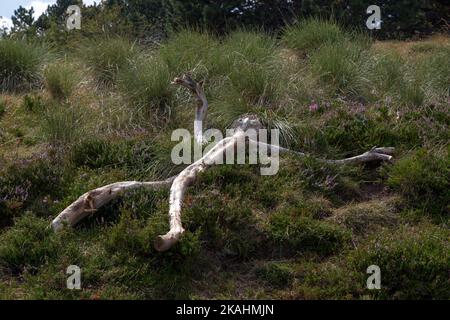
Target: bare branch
x,y
92,200
381,154
202,104
180,185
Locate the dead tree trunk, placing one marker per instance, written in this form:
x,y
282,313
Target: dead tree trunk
x,y
92,200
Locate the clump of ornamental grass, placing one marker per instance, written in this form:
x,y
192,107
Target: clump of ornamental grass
x,y
146,84
310,34
107,56
61,79
19,64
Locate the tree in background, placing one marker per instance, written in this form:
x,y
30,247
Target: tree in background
x,y
23,22
400,18
151,20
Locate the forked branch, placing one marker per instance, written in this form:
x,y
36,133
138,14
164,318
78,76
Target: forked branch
x,y
92,200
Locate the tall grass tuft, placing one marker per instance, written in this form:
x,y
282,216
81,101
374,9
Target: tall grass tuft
x,y
62,123
436,70
189,50
341,66
61,79
146,83
107,56
245,58
19,64
310,34
388,72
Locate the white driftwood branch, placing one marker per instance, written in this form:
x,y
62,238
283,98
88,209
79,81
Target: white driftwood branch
x,y
202,104
180,185
188,176
92,200
381,154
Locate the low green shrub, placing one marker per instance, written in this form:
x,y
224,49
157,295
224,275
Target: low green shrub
x,y
423,179
226,226
28,245
275,274
300,234
99,153
414,263
29,185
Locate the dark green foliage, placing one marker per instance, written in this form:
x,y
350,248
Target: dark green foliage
x,y
100,153
24,185
23,20
414,263
140,158
399,18
2,108
423,178
33,103
300,234
275,274
28,245
222,225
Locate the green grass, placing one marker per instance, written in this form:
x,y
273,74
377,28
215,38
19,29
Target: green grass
x,y
62,123
105,57
309,35
189,50
61,79
423,178
19,64
414,262
308,232
146,84
275,274
341,66
305,234
29,245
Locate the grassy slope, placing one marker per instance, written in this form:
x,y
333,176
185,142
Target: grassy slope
x,y
308,232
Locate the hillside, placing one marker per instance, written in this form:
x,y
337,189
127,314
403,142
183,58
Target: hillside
x,y
103,110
